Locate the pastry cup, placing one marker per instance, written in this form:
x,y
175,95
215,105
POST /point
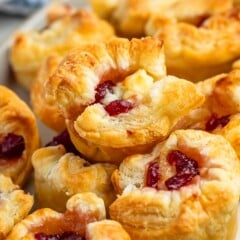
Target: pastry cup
x,y
19,136
133,74
15,205
220,113
201,207
85,216
31,48
43,105
130,16
59,174
198,52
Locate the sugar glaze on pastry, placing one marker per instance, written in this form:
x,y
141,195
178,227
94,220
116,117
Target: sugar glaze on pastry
x,y
117,95
186,188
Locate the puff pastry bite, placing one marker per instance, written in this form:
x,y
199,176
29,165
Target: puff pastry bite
x,y
130,16
60,173
198,52
31,48
83,219
15,205
19,136
117,99
43,105
220,113
186,188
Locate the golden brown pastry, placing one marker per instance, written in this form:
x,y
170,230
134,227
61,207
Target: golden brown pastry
x,y
58,10
19,136
83,219
44,106
198,52
59,174
186,188
15,205
220,113
130,16
31,48
117,99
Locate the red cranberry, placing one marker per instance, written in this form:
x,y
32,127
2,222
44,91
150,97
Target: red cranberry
x,y
118,106
214,122
102,89
12,146
63,236
153,175
186,170
64,139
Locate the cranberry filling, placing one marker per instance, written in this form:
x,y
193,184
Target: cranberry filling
x,y
153,175
214,122
186,170
64,139
63,236
101,90
118,106
12,146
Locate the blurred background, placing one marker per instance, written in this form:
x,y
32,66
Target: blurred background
x,y
13,13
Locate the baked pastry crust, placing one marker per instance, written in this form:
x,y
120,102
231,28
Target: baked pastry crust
x,y
15,205
136,69
58,175
44,106
17,118
130,16
222,98
198,52
31,48
195,210
86,209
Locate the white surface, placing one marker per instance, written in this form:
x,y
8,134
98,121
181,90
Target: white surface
x,y
36,21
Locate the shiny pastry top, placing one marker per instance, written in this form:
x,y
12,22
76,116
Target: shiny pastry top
x,y
117,94
19,136
83,219
179,190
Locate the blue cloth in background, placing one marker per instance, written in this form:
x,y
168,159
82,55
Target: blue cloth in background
x,y
20,7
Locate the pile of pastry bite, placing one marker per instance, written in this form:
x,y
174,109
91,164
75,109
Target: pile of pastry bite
x,y
144,97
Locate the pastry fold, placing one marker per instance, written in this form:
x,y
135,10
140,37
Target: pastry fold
x,y
186,188
19,136
59,174
196,52
130,16
220,113
84,217
15,205
29,49
43,105
117,99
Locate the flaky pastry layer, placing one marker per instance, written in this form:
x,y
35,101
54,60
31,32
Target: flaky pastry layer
x,y
85,216
59,175
17,118
204,208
